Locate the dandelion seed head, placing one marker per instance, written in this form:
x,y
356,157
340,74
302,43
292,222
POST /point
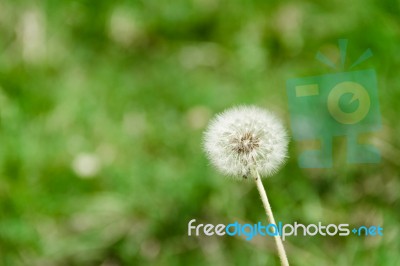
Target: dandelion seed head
x,y
246,138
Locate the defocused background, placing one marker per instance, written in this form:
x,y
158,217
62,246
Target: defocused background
x,y
102,109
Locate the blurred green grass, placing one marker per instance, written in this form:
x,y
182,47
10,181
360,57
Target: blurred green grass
x,y
102,108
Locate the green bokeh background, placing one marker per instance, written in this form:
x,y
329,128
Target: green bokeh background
x,y
102,109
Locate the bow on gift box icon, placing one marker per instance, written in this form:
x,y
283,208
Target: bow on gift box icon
x,y
344,103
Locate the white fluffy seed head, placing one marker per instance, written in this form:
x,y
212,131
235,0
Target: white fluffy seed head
x,y
246,138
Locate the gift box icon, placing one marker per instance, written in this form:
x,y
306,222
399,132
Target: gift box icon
x,y
335,104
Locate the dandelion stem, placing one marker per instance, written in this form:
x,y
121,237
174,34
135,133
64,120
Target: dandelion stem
x,y
268,210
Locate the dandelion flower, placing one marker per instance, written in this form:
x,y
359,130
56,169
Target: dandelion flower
x,y
249,141
245,138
